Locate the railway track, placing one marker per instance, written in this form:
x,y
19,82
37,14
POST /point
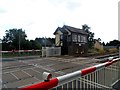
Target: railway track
x,y
102,59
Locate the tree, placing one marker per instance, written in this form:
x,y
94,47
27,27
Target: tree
x,y
46,41
35,44
90,35
14,39
99,40
103,43
114,43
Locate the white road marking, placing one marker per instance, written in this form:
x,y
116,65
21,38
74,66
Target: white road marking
x,y
15,76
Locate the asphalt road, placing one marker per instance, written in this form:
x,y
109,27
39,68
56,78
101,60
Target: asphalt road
x,y
24,71
116,86
21,72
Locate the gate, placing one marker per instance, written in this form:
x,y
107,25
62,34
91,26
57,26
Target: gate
x,y
51,51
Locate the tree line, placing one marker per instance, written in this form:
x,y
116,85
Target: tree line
x,y
115,43
16,39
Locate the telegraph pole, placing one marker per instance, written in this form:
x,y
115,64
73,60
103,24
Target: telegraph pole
x,y
45,42
19,42
45,48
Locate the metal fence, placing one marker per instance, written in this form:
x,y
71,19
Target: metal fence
x,y
101,76
51,51
101,79
45,52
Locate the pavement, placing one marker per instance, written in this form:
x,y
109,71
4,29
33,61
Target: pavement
x,y
116,86
20,72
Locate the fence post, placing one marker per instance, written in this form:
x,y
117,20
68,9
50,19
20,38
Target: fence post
x,y
119,66
1,63
119,52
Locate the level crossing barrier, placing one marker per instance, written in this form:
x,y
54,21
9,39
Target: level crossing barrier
x,y
11,51
100,76
21,53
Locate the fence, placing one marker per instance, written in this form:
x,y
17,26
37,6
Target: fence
x,y
21,53
46,51
99,76
51,51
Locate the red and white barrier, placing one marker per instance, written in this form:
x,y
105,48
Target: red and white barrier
x,y
68,77
20,51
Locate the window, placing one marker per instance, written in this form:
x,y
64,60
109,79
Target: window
x,y
74,38
83,39
79,38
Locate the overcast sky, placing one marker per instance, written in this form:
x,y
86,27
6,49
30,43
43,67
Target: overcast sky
x,y
40,18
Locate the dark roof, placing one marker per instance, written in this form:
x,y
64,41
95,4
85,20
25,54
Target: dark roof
x,y
60,29
63,31
70,29
74,30
57,30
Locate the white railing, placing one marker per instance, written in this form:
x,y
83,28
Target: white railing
x,y
51,51
99,76
102,78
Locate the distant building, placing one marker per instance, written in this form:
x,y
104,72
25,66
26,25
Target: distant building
x,y
72,40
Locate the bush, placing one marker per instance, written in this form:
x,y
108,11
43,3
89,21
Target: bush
x,y
113,50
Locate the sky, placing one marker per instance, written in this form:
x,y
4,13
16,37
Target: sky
x,y
40,18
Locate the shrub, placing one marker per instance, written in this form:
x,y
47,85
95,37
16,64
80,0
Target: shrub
x,y
113,50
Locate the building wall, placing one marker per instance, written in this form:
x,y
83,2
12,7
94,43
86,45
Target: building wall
x,y
77,49
57,39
